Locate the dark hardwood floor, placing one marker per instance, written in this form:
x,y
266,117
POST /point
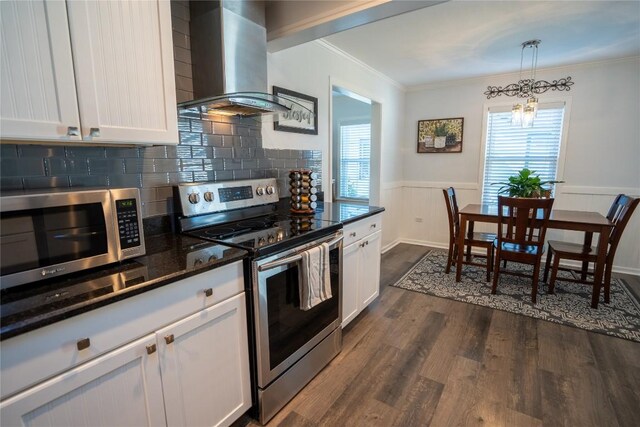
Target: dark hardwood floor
x,y
416,360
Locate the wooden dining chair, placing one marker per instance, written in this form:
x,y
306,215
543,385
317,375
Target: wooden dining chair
x,y
521,232
481,240
619,214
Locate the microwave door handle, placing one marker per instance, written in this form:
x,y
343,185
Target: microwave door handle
x,y
293,258
74,235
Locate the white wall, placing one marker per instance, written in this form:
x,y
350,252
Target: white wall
x,y
602,149
312,69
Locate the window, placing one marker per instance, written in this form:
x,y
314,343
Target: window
x,y
354,161
511,148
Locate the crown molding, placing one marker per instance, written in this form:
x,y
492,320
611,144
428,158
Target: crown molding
x,y
334,49
580,65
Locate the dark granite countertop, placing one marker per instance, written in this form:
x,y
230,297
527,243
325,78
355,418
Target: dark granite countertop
x,y
345,212
170,257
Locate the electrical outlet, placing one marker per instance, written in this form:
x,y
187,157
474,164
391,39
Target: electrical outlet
x,y
418,219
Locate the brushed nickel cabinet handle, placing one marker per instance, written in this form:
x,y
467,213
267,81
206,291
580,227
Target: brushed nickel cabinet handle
x,y
151,348
94,132
373,225
73,131
352,234
83,343
208,292
169,339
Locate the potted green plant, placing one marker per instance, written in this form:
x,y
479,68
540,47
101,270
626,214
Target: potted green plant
x,y
440,132
526,184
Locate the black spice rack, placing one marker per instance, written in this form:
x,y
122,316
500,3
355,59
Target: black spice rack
x,y
302,185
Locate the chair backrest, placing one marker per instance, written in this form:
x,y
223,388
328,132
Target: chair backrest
x,y
452,210
619,214
523,221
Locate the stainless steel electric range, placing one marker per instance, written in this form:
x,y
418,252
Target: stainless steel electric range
x,y
289,345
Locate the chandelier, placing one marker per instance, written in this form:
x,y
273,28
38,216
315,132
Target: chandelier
x,y
522,114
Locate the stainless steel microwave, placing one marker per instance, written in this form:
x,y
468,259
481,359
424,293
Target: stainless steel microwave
x,y
48,234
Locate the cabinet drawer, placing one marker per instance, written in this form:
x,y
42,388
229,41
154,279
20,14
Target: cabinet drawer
x,y
34,356
362,228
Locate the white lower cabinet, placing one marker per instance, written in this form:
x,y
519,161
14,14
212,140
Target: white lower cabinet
x,y
205,366
118,389
192,372
360,268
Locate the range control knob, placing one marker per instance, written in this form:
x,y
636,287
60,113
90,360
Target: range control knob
x,y
198,262
194,198
260,191
208,196
270,189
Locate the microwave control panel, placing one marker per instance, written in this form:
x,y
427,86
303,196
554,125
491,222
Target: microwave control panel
x,y
127,214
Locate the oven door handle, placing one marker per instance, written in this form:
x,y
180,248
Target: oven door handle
x,y
292,258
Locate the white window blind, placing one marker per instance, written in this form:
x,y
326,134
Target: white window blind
x,y
511,148
355,153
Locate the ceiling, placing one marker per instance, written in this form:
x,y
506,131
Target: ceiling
x,y
466,39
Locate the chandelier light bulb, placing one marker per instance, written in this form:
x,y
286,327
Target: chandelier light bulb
x,y
533,104
528,116
516,115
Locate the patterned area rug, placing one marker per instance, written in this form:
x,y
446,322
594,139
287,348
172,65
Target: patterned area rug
x,y
571,304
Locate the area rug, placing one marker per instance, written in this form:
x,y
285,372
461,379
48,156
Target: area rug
x,y
570,305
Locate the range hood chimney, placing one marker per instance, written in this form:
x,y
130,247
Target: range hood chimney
x,y
229,60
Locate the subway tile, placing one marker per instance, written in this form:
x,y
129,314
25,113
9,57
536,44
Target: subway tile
x,y
40,151
180,177
201,152
95,152
184,124
180,25
232,141
219,118
204,176
191,113
105,166
182,54
34,183
259,153
89,181
213,140
257,173
249,163
164,192
213,164
242,131
183,69
232,164
128,180
265,163
222,153
249,141
181,40
278,163
148,194
257,132
115,152
178,151
8,151
223,175
150,209
138,165
166,165
190,138
183,96
271,173
27,166
303,163
241,153
241,174
155,179
191,165
9,183
179,10
222,128
290,163
67,166
157,152
201,126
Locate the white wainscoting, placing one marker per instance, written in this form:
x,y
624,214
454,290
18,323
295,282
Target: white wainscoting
x,y
423,219
391,199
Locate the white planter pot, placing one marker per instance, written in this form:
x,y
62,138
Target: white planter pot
x,y
440,141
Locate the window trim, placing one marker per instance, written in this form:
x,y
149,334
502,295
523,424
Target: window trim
x,y
351,122
564,139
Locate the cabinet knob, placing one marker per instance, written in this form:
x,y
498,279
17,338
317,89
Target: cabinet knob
x,y
94,132
208,292
73,131
352,234
151,348
169,339
373,225
83,343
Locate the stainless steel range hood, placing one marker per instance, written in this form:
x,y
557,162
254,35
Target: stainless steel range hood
x,y
229,60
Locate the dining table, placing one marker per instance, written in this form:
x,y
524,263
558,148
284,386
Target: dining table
x,y
587,222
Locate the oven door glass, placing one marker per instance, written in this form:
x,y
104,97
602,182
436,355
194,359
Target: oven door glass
x,y
288,328
43,237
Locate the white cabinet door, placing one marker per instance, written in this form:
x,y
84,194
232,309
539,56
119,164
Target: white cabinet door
x,y
370,268
350,282
204,361
123,60
38,91
120,388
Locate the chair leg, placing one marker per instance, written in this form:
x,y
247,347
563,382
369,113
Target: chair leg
x,y
496,273
449,258
536,276
607,282
546,266
489,251
504,263
554,273
468,253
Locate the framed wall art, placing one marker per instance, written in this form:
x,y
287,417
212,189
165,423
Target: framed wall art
x,y
440,135
298,120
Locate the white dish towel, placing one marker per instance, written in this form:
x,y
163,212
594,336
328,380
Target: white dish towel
x,y
315,283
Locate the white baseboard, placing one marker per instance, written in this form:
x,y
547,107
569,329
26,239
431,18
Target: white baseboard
x,y
390,246
616,269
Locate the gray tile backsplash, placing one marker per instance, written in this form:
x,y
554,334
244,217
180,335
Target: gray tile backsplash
x,y
238,155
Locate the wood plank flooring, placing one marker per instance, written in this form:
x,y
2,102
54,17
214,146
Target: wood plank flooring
x,y
416,360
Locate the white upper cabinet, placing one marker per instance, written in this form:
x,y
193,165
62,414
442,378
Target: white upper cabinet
x,y
121,78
